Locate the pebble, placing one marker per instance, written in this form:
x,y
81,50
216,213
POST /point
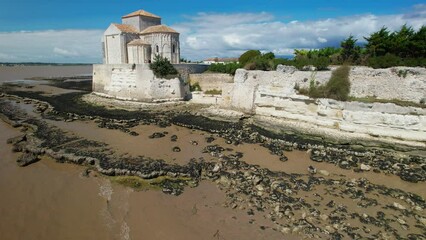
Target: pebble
x,y
399,206
365,167
323,172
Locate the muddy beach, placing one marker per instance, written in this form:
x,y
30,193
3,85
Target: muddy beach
x,y
167,171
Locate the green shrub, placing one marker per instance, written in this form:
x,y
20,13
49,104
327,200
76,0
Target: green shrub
x,y
213,92
321,63
338,87
229,68
194,87
386,61
260,63
162,67
248,56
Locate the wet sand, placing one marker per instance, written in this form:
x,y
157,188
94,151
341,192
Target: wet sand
x,y
49,199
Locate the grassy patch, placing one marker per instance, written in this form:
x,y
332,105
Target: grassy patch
x,y
214,92
394,101
195,87
140,184
338,87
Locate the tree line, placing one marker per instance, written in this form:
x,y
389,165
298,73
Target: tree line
x,y
383,49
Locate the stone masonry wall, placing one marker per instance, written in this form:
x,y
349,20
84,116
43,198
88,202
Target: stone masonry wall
x,y
210,81
272,94
185,69
138,83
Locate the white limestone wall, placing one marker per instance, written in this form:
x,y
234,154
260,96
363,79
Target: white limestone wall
x,y
377,119
272,94
210,81
164,42
389,83
137,83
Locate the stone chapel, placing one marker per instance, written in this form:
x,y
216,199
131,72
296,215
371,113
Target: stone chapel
x,y
138,39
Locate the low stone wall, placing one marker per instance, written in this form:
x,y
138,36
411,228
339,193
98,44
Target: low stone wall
x,y
136,82
376,119
185,69
210,81
202,98
272,94
403,83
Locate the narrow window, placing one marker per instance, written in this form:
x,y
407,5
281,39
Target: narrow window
x,y
173,48
157,49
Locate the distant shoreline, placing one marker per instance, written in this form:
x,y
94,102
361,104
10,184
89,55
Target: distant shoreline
x,y
10,64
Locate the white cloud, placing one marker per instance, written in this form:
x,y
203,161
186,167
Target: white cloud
x,y
321,40
65,53
227,35
51,46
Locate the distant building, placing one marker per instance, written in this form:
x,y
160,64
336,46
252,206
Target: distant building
x,y
219,60
138,39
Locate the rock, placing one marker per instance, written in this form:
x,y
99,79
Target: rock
x,y
157,135
399,206
283,159
173,138
224,181
17,139
323,217
286,69
323,172
257,180
365,167
27,159
285,230
423,220
217,167
312,170
210,139
133,133
176,149
329,229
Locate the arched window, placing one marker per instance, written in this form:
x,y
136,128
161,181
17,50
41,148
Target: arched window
x,y
173,48
157,49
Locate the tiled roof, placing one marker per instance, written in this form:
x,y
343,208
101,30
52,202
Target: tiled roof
x,y
138,42
140,13
222,59
126,28
158,29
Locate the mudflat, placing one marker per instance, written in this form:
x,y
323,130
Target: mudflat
x,y
165,172
8,73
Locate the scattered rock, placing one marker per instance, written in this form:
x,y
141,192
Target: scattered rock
x,y
312,170
26,159
399,206
365,167
176,149
173,138
324,172
157,135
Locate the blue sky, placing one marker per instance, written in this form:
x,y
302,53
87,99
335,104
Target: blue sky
x,y
43,30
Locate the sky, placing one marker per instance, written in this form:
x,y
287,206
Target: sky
x,y
70,31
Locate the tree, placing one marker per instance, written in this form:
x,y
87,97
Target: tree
x,y
162,67
418,43
248,56
350,52
378,43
